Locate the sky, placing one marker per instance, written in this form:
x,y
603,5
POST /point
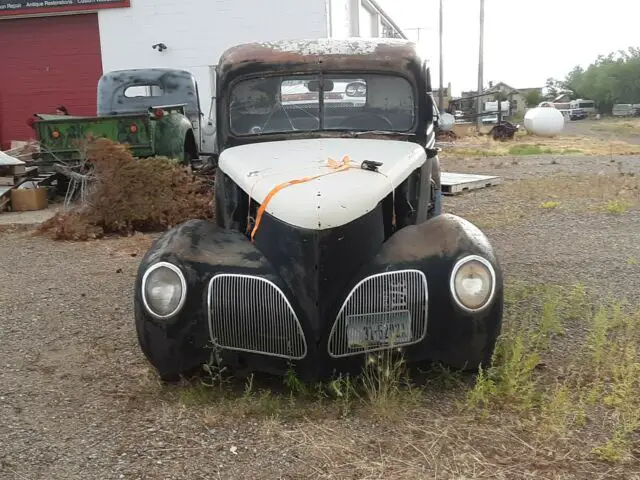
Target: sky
x,y
525,42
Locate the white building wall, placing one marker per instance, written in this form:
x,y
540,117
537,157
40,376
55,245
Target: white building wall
x,y
340,18
357,18
196,32
366,22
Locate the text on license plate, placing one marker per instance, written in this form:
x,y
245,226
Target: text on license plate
x,y
379,328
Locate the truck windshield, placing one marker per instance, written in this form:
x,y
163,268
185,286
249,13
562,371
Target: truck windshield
x,y
292,104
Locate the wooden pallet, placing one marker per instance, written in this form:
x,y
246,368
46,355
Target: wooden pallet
x,y
457,183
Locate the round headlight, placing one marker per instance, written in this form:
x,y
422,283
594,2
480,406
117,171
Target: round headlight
x,y
473,283
164,290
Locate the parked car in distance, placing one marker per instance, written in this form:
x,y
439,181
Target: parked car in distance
x,y
623,110
577,114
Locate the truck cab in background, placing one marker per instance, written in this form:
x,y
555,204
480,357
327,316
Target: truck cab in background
x,y
155,111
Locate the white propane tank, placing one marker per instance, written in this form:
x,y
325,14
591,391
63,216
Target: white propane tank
x,y
544,121
446,121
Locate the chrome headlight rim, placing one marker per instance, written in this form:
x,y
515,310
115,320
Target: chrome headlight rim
x,y
452,282
183,292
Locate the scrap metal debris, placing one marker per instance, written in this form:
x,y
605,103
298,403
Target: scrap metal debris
x,y
18,171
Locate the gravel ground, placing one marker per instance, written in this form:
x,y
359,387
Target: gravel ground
x,y
574,245
78,401
605,129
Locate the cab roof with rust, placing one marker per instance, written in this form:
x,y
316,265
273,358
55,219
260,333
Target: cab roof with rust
x,y
383,54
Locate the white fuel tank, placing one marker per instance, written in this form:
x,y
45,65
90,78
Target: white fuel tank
x,y
446,122
544,121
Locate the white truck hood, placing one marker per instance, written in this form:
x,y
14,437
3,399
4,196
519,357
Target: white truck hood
x,y
328,201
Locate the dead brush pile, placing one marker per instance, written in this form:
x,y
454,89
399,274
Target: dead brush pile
x,y
130,195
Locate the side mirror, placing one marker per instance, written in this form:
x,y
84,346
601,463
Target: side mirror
x,y
446,121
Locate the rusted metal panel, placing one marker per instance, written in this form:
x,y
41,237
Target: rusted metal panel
x,y
146,136
331,54
380,55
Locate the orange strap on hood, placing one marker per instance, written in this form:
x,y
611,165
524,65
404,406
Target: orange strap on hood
x,y
331,163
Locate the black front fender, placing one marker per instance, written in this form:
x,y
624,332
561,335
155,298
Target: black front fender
x,y
200,249
454,336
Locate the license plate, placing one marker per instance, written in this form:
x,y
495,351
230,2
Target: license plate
x,y
379,328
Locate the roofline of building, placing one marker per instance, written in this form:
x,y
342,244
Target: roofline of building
x,y
387,18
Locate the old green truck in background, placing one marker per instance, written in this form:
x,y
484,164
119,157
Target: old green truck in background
x,y
155,111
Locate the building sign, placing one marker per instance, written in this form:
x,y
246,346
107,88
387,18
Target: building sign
x,y
23,7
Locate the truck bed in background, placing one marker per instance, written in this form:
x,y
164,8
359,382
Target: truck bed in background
x,y
61,137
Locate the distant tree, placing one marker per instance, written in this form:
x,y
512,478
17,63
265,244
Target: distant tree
x,y
533,98
554,88
610,79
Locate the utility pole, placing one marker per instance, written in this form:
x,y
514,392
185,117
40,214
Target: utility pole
x,y
441,97
480,68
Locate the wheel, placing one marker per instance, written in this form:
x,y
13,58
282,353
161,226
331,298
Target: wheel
x,y
190,150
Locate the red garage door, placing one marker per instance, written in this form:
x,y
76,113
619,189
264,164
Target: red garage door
x,y
46,62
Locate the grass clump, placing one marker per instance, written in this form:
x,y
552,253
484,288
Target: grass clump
x,y
549,205
540,149
613,193
528,144
563,388
383,389
598,382
126,195
617,126
525,149
616,206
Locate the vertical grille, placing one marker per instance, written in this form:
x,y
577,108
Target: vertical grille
x,y
382,311
251,314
